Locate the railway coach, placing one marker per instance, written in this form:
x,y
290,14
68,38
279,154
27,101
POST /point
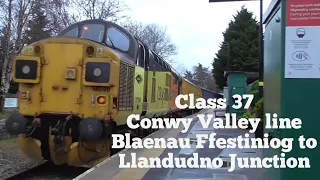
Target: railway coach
x,y
79,87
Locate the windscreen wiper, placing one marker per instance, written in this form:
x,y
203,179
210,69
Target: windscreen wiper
x,y
111,43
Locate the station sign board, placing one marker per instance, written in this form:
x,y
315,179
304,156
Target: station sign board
x,y
302,57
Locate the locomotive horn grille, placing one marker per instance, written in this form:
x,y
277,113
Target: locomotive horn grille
x,y
26,69
97,72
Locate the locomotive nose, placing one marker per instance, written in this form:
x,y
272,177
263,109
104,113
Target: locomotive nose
x,y
16,124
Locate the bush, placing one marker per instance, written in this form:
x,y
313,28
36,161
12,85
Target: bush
x,y
258,108
253,89
247,115
257,113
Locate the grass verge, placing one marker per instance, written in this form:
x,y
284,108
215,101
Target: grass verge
x,y
7,143
4,115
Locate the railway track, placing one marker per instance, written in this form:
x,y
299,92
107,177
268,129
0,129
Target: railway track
x,y
48,171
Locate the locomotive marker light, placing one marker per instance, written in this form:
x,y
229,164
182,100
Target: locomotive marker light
x,y
102,100
90,51
71,73
260,41
37,49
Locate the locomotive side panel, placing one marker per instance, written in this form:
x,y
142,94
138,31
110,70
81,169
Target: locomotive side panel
x,y
138,90
174,91
131,87
157,105
207,94
157,87
190,88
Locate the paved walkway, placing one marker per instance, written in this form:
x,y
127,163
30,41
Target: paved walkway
x,y
208,174
108,171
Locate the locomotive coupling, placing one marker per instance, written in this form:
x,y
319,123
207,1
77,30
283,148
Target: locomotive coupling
x,y
16,124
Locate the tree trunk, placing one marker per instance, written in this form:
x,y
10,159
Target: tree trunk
x,y
2,99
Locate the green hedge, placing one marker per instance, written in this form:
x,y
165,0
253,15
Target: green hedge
x,y
253,88
257,111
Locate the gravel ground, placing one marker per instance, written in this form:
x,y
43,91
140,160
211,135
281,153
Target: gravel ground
x,y
4,135
48,171
11,161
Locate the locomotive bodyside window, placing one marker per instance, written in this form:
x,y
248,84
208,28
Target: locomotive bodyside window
x,y
151,61
117,39
93,32
142,56
72,33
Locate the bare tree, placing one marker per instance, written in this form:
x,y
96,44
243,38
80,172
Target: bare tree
x,y
155,36
7,9
14,15
60,17
99,9
180,68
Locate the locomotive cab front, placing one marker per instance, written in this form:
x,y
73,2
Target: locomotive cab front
x,y
68,93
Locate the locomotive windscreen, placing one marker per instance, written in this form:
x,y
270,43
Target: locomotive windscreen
x,y
93,32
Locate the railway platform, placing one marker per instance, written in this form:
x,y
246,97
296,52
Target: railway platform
x,y
109,169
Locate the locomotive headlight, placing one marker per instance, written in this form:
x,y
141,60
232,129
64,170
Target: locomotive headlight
x,y
97,72
71,73
26,70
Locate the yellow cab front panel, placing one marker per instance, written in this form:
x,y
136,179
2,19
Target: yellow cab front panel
x,y
61,78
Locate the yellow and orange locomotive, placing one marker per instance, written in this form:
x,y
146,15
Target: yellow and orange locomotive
x,y
79,87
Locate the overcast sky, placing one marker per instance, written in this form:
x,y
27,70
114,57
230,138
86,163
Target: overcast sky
x,y
195,26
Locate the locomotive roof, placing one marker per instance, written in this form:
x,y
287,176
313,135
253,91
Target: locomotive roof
x,y
99,21
174,72
209,90
131,36
191,83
